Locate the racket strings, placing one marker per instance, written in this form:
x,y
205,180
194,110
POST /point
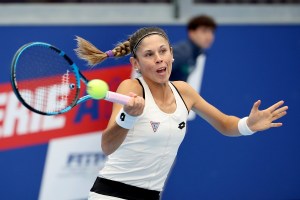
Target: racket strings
x,y
45,80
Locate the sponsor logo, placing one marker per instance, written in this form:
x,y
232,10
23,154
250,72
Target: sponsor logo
x,y
84,159
181,125
154,125
83,162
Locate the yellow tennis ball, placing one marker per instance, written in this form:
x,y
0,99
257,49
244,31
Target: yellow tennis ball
x,y
97,88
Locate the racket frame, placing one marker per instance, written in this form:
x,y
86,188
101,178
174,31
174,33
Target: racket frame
x,y
78,75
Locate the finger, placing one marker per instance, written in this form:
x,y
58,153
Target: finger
x,y
140,102
137,102
130,102
275,125
279,115
282,109
131,94
256,105
275,106
138,106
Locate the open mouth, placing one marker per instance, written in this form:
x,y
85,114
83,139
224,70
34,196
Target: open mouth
x,y
161,70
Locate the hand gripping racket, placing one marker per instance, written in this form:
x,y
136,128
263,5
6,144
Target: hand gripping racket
x,y
47,81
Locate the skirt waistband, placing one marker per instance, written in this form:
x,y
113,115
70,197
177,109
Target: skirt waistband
x,y
122,190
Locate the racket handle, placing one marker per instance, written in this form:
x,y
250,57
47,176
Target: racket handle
x,y
117,98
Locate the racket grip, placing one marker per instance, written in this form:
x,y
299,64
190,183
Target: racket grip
x,y
117,98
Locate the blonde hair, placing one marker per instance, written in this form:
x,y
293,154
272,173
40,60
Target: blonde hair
x,y
90,53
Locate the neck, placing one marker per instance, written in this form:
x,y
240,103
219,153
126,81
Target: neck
x,y
160,91
162,95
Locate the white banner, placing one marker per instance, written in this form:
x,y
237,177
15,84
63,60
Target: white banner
x,y
71,167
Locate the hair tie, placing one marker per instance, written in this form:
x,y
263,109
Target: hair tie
x,y
110,53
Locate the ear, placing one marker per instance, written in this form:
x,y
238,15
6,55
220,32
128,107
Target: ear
x,y
171,50
134,63
191,34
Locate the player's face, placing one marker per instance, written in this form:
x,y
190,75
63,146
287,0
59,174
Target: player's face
x,y
202,36
154,59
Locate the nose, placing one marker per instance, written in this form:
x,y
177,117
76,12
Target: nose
x,y
158,59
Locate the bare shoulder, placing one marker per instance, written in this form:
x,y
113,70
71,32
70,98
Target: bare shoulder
x,y
182,87
130,85
189,95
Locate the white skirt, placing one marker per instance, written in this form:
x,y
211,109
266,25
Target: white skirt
x,y
95,196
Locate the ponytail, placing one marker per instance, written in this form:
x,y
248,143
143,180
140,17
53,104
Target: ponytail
x,y
88,52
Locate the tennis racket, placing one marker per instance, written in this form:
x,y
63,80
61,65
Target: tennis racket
x,y
47,81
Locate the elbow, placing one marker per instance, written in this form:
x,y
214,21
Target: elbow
x,y
106,149
106,144
111,140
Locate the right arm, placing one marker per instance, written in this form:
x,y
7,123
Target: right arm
x,y
114,135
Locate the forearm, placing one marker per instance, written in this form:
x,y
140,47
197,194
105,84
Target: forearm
x,y
225,124
234,126
122,119
112,138
229,126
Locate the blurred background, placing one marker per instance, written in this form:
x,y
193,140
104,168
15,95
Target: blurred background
x,y
255,55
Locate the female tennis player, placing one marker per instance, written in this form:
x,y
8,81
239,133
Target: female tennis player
x,y
143,136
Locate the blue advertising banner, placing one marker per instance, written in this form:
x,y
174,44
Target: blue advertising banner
x,y
246,63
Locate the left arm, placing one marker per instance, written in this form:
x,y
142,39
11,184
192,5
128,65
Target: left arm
x,y
258,120
225,124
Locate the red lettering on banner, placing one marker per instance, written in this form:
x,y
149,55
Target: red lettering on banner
x,y
20,127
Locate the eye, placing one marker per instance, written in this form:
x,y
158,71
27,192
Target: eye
x,y
163,51
148,54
